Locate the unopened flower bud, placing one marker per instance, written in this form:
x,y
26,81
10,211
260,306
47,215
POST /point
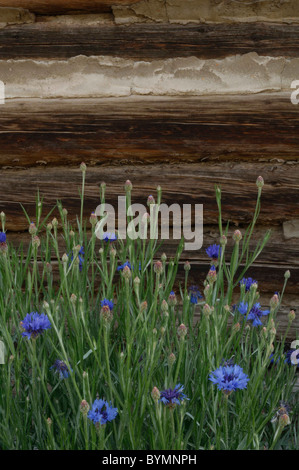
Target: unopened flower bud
x,y
128,186
182,331
260,182
284,420
36,241
292,316
64,258
155,394
83,167
93,219
49,227
163,258
287,274
187,266
55,222
49,422
212,275
172,301
162,331
48,267
84,407
223,240
274,302
237,236
143,306
158,267
106,314
72,233
206,310
171,359
164,306
73,299
65,212
32,229
236,327
127,273
150,200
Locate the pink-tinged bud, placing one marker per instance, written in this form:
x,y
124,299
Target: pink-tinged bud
x,y
127,273
236,327
48,267
158,267
155,394
273,331
83,167
292,316
182,331
73,299
237,236
71,234
93,219
227,308
260,182
150,200
106,314
274,302
3,248
171,359
223,240
284,420
164,306
162,331
32,229
136,282
143,306
212,276
36,241
206,310
187,266
207,290
84,407
128,186
172,301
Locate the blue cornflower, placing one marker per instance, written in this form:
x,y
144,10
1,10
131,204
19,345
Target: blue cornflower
x,y
229,378
122,266
214,251
173,396
61,368
80,256
255,313
195,295
109,237
108,303
2,237
247,282
101,412
291,358
35,324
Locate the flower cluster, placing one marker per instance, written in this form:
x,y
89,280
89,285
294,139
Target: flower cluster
x,y
214,251
195,295
109,237
80,256
247,282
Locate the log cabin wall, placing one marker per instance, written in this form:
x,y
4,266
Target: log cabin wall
x,y
185,94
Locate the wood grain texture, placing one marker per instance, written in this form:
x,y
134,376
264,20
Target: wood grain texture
x,y
63,6
143,41
261,127
181,183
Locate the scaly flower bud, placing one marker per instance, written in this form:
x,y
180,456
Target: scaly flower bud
x,y
171,359
292,316
187,266
223,240
274,302
287,274
32,229
172,301
182,331
237,236
206,310
128,186
150,200
36,241
83,167
260,182
84,407
93,219
127,273
158,267
155,394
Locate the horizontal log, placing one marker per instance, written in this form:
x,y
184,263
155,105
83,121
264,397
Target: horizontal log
x,y
260,127
181,183
144,41
64,6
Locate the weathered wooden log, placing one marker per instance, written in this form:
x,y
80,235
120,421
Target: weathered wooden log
x,y
148,130
143,41
58,6
181,183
